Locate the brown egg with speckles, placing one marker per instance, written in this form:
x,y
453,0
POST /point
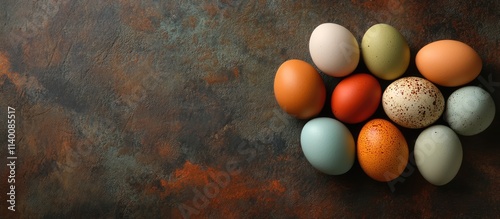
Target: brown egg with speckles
x,y
413,102
382,150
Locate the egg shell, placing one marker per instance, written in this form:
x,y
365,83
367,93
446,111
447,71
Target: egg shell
x,y
356,98
469,110
299,89
382,150
334,50
448,63
438,154
328,145
413,102
385,51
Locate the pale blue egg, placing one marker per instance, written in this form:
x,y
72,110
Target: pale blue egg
x,y
328,145
470,110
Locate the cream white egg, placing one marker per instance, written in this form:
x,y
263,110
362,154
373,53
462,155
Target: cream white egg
x,y
334,50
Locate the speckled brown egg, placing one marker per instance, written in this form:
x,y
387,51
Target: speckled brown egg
x,y
413,102
382,150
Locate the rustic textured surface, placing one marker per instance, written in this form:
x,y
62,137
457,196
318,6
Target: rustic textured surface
x,y
130,108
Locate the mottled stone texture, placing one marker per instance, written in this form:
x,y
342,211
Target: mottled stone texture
x,y
155,109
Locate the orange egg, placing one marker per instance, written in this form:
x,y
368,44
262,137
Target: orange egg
x,y
356,98
382,150
299,89
448,63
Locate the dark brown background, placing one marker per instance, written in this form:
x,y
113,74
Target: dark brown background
x,y
126,108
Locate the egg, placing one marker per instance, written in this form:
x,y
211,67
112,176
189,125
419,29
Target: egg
x,y
448,63
382,150
299,89
470,110
385,51
356,98
438,154
413,102
328,145
334,50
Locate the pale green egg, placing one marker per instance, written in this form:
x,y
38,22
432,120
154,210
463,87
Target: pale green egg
x,y
438,154
385,52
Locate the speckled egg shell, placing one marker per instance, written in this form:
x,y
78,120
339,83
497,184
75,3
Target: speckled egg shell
x,y
470,110
413,102
382,150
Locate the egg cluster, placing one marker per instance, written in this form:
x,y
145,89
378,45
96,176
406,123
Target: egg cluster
x,y
411,102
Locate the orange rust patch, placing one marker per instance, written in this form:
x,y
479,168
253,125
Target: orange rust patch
x,y
239,188
207,55
189,175
168,151
221,77
211,9
284,157
139,17
227,198
212,78
124,151
21,82
4,65
276,186
191,22
192,175
236,71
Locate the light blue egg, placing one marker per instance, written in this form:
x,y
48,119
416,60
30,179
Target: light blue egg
x,y
328,145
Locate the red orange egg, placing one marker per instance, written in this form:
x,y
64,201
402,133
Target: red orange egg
x,y
356,98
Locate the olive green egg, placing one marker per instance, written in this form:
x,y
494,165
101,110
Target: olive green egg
x,y
385,51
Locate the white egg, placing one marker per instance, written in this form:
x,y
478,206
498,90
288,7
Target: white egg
x,y
413,102
470,110
334,50
438,154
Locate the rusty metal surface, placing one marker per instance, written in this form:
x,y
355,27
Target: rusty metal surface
x,y
165,109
